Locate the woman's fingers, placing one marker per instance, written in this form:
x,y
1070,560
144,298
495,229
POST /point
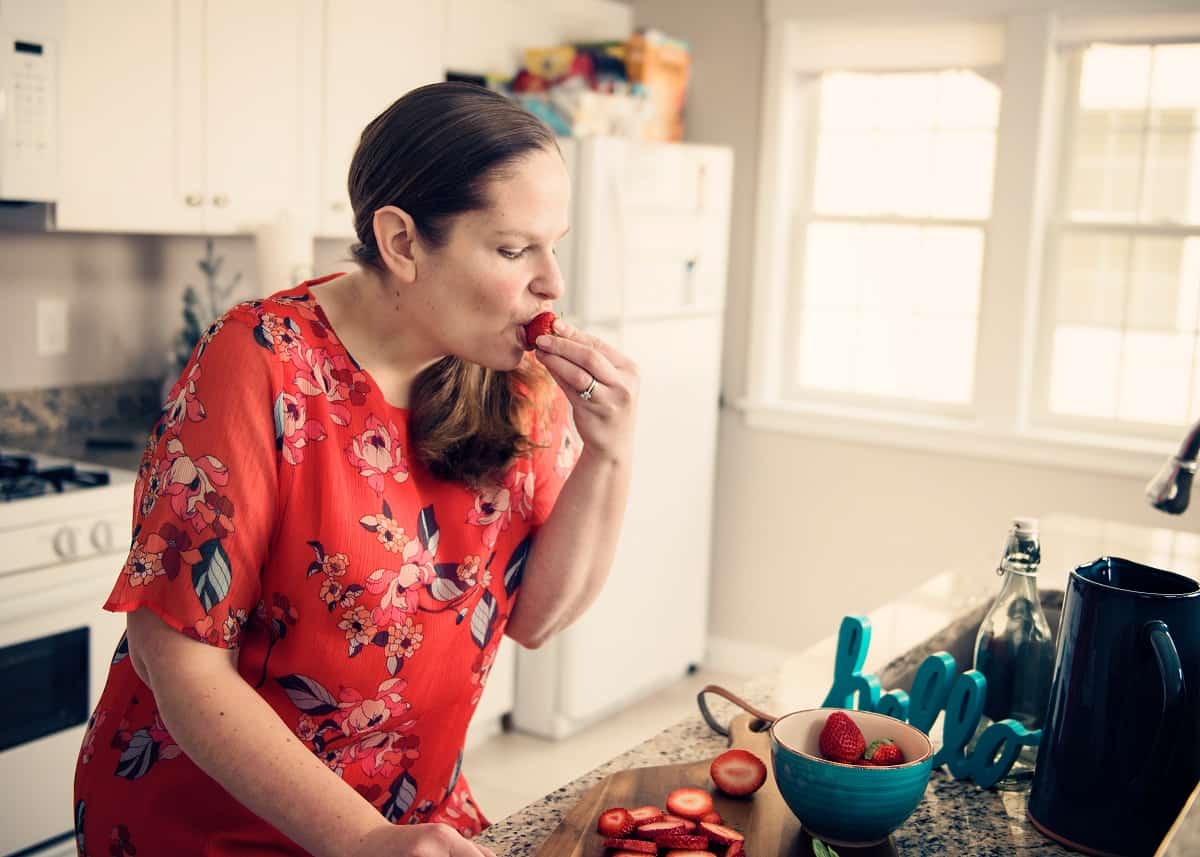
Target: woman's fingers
x,y
583,355
571,377
568,331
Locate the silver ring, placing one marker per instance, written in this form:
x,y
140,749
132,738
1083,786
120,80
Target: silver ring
x,y
587,394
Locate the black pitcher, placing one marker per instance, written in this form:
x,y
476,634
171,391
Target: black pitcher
x,y
1120,751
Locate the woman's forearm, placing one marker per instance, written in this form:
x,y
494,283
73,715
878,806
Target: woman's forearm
x,y
235,737
573,551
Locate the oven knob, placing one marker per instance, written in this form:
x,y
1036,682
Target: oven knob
x,y
64,543
102,536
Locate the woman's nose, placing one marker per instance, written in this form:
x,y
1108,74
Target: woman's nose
x,y
549,284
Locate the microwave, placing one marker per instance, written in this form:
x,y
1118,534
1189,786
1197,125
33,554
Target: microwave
x,y
29,86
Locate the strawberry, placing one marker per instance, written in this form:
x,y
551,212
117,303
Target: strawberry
x,y
683,840
738,772
635,845
689,802
714,817
541,324
737,849
646,814
615,822
884,752
688,853
624,853
655,829
688,824
720,833
841,740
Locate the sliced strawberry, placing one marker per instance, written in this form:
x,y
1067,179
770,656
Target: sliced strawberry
x,y
624,854
541,324
738,772
737,849
646,814
655,829
720,833
615,822
688,823
635,845
683,840
713,817
689,802
688,853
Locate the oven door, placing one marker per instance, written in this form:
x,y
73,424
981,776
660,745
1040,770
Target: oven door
x,y
56,645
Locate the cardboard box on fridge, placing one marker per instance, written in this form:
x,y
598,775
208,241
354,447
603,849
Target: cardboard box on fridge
x,y
662,65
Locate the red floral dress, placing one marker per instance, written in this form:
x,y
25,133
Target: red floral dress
x,y
278,510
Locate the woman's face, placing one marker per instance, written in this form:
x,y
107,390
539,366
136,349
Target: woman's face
x,y
497,269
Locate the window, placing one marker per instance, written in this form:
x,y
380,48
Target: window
x,y
1121,323
889,231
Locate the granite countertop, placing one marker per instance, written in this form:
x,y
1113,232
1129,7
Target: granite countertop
x,y
117,446
955,817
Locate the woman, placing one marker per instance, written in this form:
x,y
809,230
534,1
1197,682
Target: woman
x,y
357,486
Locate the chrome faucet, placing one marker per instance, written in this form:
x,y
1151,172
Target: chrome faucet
x,y
1169,490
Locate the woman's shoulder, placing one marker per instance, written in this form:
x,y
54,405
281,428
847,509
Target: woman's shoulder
x,y
281,321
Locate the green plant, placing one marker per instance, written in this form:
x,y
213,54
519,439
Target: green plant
x,y
201,310
822,850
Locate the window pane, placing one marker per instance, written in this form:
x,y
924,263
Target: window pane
x,y
1091,280
962,180
1174,85
906,144
1135,152
1160,290
890,310
1107,169
831,274
825,356
1115,77
1155,377
1085,372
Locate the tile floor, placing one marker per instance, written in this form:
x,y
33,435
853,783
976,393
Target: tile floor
x,y
511,770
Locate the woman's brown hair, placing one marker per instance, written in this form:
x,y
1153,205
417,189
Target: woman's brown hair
x,y
433,154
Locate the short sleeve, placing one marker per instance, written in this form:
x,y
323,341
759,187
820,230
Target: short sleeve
x,y
556,448
206,495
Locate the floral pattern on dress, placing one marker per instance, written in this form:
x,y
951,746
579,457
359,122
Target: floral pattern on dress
x,y
276,476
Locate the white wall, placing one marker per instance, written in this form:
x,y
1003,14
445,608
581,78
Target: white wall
x,y
809,529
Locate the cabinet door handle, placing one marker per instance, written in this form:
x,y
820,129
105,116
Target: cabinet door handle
x,y
194,199
220,200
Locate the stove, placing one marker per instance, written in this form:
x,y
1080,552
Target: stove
x,y
22,476
64,534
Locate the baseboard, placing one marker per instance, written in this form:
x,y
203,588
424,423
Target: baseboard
x,y
740,657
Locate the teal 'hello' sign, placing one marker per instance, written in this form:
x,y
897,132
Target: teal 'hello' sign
x,y
935,689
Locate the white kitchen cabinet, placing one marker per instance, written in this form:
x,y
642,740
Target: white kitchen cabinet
x,y
375,51
121,156
188,117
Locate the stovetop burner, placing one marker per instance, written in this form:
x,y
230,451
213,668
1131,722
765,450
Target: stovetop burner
x,y
20,477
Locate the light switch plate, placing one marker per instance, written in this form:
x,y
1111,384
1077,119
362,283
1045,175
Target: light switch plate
x,y
52,337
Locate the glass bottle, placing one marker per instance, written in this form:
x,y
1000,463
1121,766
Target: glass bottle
x,y
1015,648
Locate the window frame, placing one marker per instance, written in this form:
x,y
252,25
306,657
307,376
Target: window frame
x,y
802,214
1060,227
1005,422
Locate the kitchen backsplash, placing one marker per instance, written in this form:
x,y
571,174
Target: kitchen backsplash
x,y
92,408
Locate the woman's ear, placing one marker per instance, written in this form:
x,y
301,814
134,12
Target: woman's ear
x,y
396,235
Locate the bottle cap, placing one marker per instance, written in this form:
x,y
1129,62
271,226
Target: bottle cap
x,y
1026,526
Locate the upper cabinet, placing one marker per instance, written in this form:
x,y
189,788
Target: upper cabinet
x,y
121,156
188,117
212,116
375,51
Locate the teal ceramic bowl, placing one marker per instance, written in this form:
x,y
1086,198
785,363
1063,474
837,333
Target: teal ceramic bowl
x,y
848,805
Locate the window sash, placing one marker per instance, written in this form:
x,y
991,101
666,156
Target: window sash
x,y
806,89
1062,227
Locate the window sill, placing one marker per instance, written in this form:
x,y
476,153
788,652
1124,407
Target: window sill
x,y
1090,453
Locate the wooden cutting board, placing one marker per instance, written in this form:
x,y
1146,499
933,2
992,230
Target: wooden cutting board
x,y
764,819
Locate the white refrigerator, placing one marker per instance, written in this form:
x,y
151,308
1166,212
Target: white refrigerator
x,y
645,266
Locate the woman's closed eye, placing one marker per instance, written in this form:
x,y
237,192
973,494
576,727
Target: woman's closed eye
x,y
511,254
